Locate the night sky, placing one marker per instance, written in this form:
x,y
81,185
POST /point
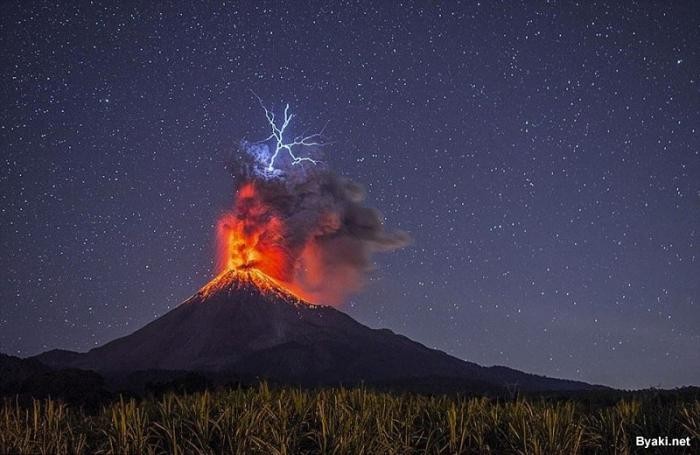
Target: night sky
x,y
544,156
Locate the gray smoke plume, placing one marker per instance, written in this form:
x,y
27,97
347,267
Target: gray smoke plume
x,y
329,236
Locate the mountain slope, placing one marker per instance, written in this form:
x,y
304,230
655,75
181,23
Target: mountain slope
x,y
239,327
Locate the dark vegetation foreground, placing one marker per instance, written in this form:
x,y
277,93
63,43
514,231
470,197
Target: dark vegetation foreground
x,y
269,420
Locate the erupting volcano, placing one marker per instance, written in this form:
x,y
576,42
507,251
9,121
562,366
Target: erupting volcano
x,y
296,236
283,245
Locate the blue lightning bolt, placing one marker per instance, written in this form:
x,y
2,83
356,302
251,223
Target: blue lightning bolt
x,y
280,144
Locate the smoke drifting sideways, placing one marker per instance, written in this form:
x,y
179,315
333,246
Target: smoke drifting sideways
x,y
302,225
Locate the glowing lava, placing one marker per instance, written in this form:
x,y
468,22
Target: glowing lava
x,y
251,246
244,279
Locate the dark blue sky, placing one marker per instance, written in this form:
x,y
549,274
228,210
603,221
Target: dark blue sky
x,y
543,155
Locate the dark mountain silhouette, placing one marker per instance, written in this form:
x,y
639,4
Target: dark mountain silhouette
x,y
28,378
244,326
16,370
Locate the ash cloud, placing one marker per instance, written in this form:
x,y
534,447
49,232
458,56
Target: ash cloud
x,y
330,235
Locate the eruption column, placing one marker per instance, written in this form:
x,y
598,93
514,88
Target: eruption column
x,y
305,229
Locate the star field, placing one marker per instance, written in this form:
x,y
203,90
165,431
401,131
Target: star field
x,y
544,156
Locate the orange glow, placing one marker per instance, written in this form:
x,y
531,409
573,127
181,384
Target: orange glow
x,y
241,278
251,243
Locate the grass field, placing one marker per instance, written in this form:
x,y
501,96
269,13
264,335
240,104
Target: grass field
x,y
266,420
